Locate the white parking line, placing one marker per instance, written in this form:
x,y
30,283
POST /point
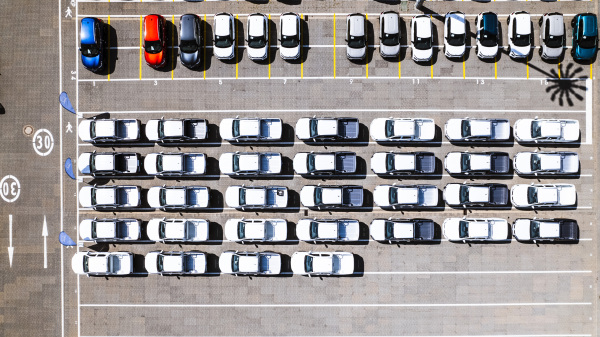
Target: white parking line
x,y
544,335
339,305
588,110
340,16
334,176
363,240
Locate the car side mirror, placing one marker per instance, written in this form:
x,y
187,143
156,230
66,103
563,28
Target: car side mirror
x,y
464,241
535,241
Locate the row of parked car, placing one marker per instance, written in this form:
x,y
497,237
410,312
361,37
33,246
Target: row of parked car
x,y
331,197
527,130
256,164
311,230
191,33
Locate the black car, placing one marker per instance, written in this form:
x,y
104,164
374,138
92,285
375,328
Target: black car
x,y
190,40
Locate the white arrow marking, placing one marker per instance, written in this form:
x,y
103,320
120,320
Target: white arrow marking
x,y
45,235
11,249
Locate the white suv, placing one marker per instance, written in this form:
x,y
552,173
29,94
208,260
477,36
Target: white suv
x,y
519,34
389,34
257,37
356,36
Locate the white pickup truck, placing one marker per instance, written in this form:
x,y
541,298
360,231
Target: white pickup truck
x,y
109,197
109,130
177,230
178,197
175,164
110,230
256,197
328,230
324,163
250,163
176,130
108,164
250,129
477,129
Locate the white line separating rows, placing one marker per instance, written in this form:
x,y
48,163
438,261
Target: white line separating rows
x,y
340,16
507,335
332,177
388,78
278,46
368,240
337,305
373,209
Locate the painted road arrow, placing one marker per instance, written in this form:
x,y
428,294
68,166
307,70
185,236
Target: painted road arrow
x,y
11,249
45,235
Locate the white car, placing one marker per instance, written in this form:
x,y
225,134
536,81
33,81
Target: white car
x,y
356,36
257,37
323,197
455,29
109,130
250,163
256,197
405,196
328,230
484,229
488,35
224,36
327,128
175,164
175,198
290,29
102,264
477,163
396,163
543,195
250,263
108,164
323,163
175,263
176,130
102,198
542,163
256,230
476,195
546,130
110,230
421,38
477,129
178,230
250,129
389,34
552,36
323,263
549,230
402,230
520,34
402,129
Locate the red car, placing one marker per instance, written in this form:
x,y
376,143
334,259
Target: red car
x,y
154,40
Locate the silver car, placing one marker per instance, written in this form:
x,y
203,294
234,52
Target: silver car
x,y
389,34
552,36
356,36
224,36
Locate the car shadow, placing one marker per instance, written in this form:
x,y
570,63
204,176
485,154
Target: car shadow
x,y
359,266
112,50
172,38
207,53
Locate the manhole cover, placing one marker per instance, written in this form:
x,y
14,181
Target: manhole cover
x,y
28,130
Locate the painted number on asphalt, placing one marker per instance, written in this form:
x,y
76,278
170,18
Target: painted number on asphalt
x,y
10,188
43,142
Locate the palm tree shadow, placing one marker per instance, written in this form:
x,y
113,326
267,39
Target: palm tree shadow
x,y
564,86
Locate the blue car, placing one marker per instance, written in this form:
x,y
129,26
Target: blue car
x,y
92,36
585,36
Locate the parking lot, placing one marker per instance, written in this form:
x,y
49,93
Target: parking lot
x,y
443,288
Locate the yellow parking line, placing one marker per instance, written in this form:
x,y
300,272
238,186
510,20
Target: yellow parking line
x,y
172,46
464,72
399,67
367,51
527,60
235,50
141,22
559,69
495,66
204,47
269,48
333,45
591,72
431,67
108,51
301,48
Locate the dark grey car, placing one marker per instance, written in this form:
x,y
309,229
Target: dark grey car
x,y
190,40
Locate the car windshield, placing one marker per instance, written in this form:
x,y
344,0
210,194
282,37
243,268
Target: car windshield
x,y
464,194
389,162
159,262
236,163
242,196
314,230
389,128
390,39
161,229
308,264
318,196
188,46
94,234
356,41
89,50
520,40
393,195
235,263
422,43
93,163
535,230
465,128
311,163
532,195
389,230
256,41
85,264
236,128
554,41
536,129
223,41
159,163
153,47
93,129
161,129
456,39
93,196
587,41
536,162
463,229
313,127
163,196
241,230
465,162
289,41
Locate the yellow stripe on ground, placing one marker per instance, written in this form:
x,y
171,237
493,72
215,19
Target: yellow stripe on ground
x,y
591,71
141,22
367,52
559,69
108,52
399,67
269,48
495,66
301,49
235,50
431,66
172,46
333,45
464,72
527,60
204,47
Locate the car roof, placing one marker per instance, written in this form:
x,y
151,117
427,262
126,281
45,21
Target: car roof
x,y
289,24
357,27
456,22
490,22
222,24
523,23
151,24
590,25
390,22
556,22
423,25
187,26
87,30
256,24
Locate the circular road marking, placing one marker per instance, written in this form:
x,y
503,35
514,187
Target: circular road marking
x,y
43,142
10,188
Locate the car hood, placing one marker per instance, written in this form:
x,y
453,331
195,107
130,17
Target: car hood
x,y
452,194
518,195
154,60
377,229
152,229
487,52
150,262
307,196
84,130
521,229
378,164
518,51
453,129
302,128
150,163
152,129
522,162
85,229
231,229
153,196
452,162
190,59
377,129
258,53
455,51
226,128
584,53
450,229
552,52
225,262
381,195
226,163
85,196
422,54
83,163
389,50
224,53
303,229
300,163
356,53
232,196
92,63
297,262
522,129
77,263
290,53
